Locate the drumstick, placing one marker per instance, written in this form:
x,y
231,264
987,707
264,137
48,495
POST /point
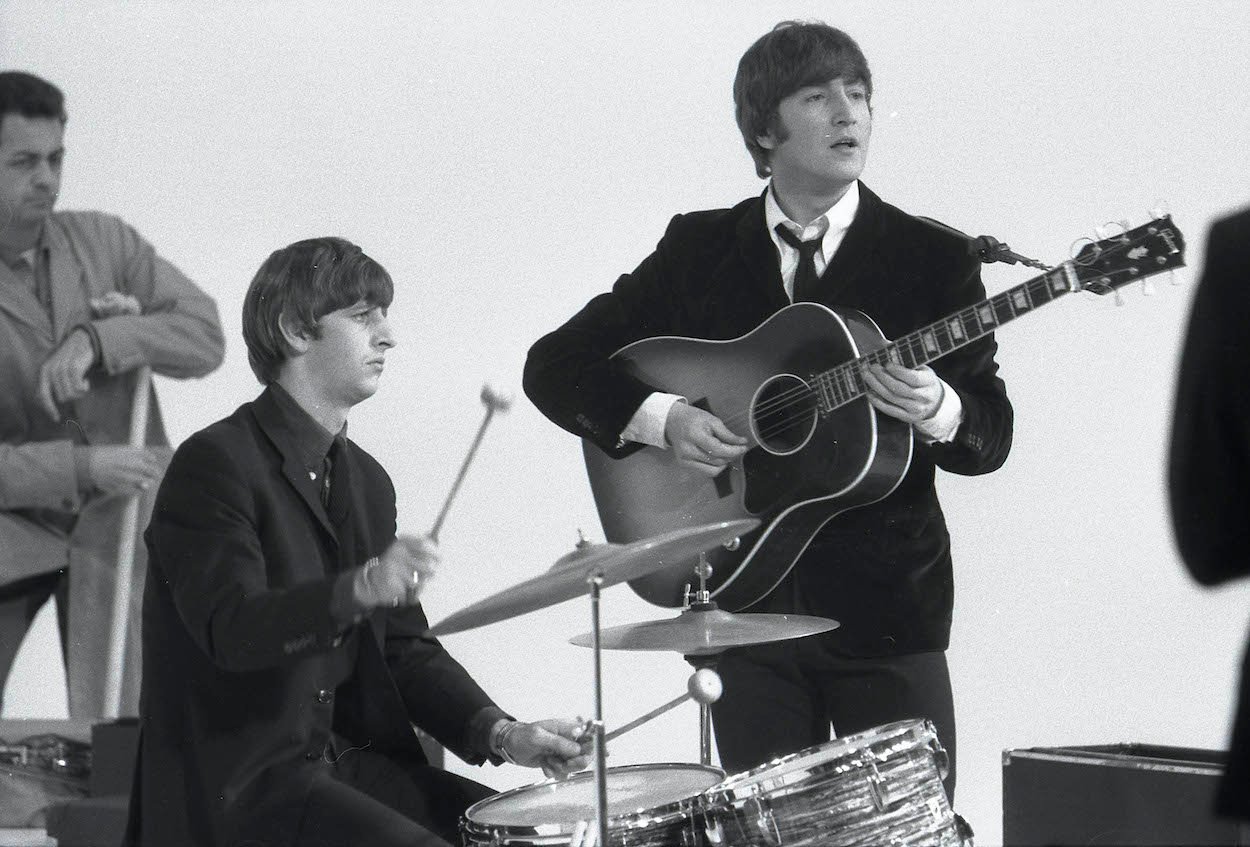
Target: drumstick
x,y
704,686
494,402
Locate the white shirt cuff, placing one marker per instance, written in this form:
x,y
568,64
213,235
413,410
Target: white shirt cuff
x,y
647,424
942,425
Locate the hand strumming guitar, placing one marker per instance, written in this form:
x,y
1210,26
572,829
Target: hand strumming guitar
x,y
701,440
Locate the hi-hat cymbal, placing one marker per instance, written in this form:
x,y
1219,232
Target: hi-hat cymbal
x,y
613,562
700,632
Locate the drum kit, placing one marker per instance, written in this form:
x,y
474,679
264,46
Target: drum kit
x,y
879,787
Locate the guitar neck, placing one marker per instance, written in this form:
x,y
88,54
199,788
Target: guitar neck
x,y
844,383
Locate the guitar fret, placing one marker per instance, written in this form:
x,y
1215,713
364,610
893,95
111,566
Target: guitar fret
x,y
932,347
826,390
915,351
1001,305
972,324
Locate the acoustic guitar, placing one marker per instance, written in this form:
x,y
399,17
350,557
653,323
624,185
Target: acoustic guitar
x,y
794,387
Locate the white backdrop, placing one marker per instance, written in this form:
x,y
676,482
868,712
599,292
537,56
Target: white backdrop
x,y
468,147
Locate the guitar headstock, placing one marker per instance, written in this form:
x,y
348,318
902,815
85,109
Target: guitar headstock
x,y
1134,254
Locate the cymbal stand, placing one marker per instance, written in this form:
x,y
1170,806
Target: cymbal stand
x,y
601,751
702,602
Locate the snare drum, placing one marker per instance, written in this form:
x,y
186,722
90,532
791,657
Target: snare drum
x,y
648,806
879,787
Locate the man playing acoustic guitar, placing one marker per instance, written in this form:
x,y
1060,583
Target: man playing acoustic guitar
x,y
883,570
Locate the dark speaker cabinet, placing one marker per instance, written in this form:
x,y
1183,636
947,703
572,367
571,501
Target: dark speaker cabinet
x,y
1115,794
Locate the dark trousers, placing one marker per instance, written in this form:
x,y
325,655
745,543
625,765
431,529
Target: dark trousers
x,y
782,697
366,799
19,603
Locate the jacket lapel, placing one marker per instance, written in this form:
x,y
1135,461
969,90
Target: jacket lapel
x,y
65,282
854,254
759,255
269,417
20,302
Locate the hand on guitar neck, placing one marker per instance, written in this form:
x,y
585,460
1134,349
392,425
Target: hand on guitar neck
x,y
908,395
700,440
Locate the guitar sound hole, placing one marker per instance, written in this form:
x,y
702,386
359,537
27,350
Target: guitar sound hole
x,y
784,414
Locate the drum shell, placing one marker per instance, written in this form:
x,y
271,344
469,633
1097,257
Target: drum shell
x,y
877,787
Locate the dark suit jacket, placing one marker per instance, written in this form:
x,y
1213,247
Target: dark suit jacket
x,y
1209,466
241,652
883,571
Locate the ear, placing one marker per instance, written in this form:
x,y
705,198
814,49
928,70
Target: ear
x,y
768,141
296,337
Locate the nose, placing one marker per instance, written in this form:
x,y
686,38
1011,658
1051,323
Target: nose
x,y
383,336
842,112
45,175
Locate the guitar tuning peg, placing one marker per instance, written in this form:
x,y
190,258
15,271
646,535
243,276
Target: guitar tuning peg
x,y
1111,229
1119,298
1175,277
1147,287
1159,210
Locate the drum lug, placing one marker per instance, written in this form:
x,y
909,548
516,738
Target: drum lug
x,y
940,757
876,788
764,821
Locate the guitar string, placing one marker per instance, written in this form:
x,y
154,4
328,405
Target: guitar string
x,y
853,370
850,373
804,394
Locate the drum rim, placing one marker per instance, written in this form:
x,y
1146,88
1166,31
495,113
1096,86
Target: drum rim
x,y
556,829
754,782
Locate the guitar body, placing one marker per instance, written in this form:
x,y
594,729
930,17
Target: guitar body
x,y
803,468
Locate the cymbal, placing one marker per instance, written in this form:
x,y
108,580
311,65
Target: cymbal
x,y
701,632
613,562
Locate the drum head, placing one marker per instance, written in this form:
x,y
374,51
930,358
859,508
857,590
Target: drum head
x,y
556,805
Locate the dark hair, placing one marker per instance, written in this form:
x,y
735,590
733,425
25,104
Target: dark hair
x,y
29,96
303,283
793,55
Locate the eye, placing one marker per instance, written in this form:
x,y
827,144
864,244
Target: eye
x,y
815,96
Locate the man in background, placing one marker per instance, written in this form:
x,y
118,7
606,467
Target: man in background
x,y
1209,466
85,302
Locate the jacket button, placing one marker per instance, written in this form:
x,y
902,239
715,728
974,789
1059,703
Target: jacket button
x,y
324,696
312,756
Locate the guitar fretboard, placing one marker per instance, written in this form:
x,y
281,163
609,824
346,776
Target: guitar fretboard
x,y
841,384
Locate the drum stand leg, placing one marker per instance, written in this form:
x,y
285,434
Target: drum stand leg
x,y
601,753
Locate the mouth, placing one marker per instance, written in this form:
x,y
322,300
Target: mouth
x,y
376,363
845,143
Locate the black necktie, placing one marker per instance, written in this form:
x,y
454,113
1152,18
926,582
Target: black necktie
x,y
336,488
805,276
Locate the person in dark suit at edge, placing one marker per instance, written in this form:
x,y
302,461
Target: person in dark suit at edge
x,y
286,650
803,104
1209,461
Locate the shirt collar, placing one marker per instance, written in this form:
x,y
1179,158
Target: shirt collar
x,y
312,441
838,217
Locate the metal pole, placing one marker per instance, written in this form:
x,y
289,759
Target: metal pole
x,y
601,753
126,557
